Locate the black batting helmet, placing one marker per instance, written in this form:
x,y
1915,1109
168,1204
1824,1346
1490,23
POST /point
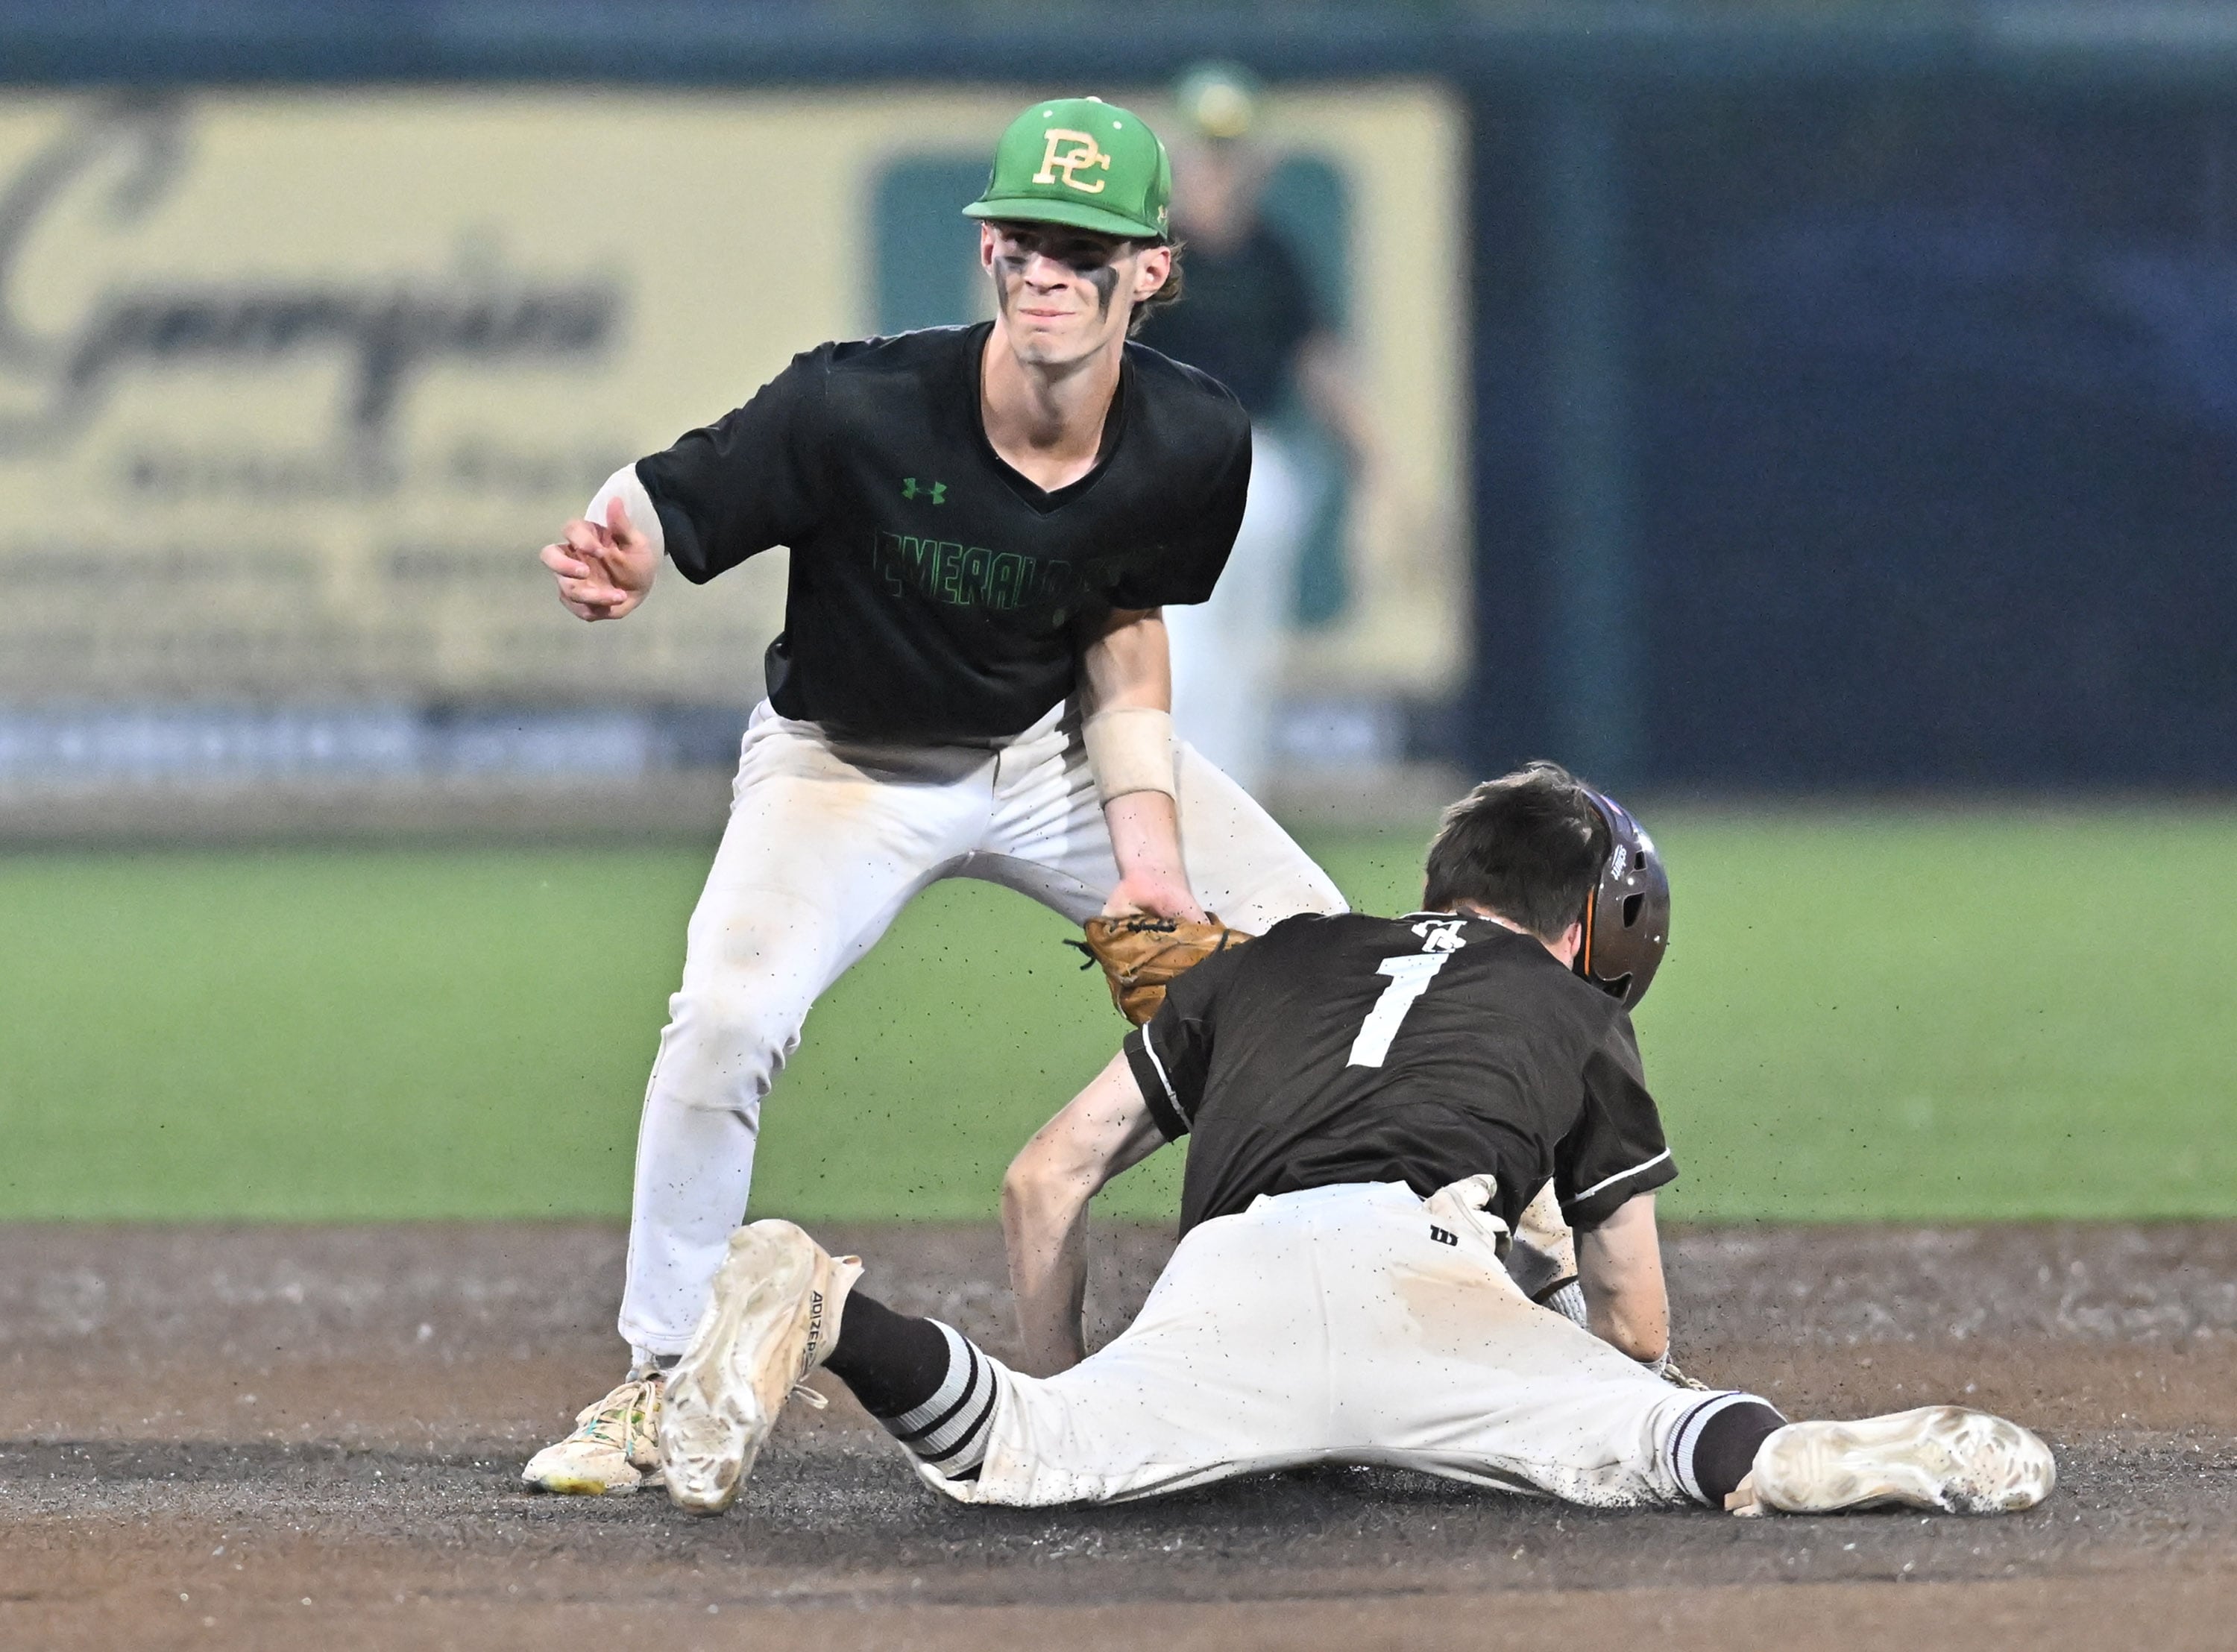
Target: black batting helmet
x,y
1626,927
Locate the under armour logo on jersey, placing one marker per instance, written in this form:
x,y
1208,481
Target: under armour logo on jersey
x,y
1440,934
1084,154
937,490
1443,1237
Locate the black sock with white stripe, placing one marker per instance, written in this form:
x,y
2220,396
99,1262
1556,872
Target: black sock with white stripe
x,y
933,1390
1714,1444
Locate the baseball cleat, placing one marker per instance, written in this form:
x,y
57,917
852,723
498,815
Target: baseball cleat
x,y
615,1447
1939,1457
773,1319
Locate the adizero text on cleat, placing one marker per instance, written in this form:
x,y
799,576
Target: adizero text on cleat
x,y
773,1318
615,1447
1939,1457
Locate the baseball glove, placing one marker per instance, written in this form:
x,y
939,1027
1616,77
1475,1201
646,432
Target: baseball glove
x,y
1142,955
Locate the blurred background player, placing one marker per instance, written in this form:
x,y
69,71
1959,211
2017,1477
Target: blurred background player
x,y
1252,320
1370,1102
985,523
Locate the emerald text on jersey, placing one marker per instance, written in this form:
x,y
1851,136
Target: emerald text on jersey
x,y
962,575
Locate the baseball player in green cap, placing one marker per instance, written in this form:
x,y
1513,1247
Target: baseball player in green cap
x,y
985,524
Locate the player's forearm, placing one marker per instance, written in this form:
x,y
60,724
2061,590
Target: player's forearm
x,y
1127,697
1619,1266
1101,1131
1145,840
1045,1230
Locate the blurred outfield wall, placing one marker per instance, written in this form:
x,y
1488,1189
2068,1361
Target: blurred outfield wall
x,y
1780,397
299,380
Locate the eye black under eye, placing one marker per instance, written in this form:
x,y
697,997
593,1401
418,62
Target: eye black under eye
x,y
1078,255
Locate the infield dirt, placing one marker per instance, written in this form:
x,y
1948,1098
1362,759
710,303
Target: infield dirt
x,y
288,1437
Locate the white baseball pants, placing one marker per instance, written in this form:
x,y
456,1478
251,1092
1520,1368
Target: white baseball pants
x,y
1336,1325
828,840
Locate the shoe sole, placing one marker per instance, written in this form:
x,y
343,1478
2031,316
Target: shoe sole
x,y
712,1424
1939,1457
582,1485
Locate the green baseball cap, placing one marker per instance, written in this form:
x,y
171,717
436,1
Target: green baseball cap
x,y
1081,162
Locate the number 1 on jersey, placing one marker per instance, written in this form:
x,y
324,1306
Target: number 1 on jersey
x,y
1409,978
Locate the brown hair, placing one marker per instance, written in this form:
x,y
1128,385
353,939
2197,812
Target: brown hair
x,y
1527,845
1169,293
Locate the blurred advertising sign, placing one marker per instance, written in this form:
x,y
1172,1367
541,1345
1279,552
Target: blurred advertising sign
x,y
292,386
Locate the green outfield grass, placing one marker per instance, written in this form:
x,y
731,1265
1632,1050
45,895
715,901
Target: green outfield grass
x,y
1879,1016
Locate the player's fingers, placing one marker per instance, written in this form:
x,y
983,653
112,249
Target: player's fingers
x,y
586,536
589,586
582,610
618,524
558,559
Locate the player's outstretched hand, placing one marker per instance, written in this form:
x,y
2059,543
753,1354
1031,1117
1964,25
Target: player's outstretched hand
x,y
603,568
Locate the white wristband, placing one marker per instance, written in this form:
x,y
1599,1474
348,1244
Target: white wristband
x,y
1130,749
623,484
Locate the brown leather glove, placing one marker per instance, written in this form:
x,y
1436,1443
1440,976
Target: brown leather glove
x,y
1141,955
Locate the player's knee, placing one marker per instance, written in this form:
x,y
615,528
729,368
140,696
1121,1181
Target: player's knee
x,y
726,1043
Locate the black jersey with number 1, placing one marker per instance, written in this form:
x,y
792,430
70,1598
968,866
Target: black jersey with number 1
x,y
934,593
1419,1050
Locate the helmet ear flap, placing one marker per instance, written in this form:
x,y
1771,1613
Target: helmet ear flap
x,y
1626,923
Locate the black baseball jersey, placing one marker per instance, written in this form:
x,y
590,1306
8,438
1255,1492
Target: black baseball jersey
x,y
1419,1050
935,593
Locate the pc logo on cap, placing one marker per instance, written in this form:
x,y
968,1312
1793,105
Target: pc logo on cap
x,y
1082,162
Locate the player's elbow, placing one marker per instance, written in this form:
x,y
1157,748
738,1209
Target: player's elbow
x,y
1644,1337
1041,1183
1035,1186
1630,1315
1021,1191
